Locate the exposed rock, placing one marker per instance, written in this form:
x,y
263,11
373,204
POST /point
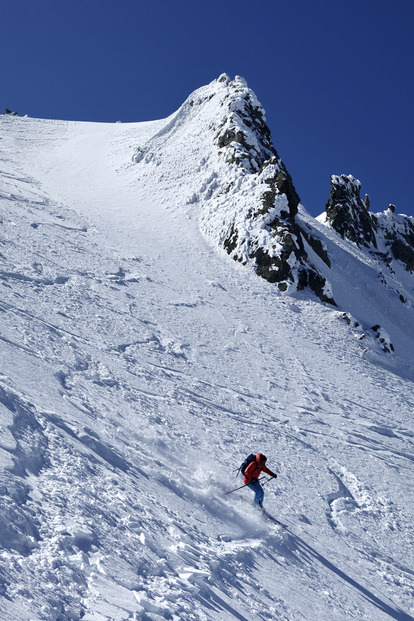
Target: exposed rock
x,y
318,247
383,338
280,183
348,214
402,247
350,320
397,234
244,128
370,338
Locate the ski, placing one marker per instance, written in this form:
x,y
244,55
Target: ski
x,y
270,518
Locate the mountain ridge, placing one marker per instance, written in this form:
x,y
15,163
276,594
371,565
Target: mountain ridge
x,y
247,204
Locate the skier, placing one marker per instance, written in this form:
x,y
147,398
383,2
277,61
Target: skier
x,y
251,475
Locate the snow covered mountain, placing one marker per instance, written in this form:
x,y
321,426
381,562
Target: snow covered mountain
x,y
168,306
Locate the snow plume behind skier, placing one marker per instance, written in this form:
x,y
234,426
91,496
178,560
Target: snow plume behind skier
x,y
252,474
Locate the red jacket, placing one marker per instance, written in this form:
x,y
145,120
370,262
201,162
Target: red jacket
x,y
254,470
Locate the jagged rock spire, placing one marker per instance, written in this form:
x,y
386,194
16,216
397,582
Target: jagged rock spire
x,y
388,235
246,137
268,236
347,213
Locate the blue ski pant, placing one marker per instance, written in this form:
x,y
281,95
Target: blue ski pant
x,y
258,492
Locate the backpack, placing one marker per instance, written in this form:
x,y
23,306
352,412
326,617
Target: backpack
x,y
246,462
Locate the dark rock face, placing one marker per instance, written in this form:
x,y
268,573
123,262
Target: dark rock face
x,y
292,263
348,214
399,237
383,339
280,183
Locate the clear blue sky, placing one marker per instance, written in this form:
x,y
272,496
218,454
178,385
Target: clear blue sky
x,y
336,77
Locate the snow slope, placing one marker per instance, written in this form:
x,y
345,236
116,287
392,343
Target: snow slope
x,y
140,364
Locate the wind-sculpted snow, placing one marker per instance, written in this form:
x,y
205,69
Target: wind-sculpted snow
x,y
139,367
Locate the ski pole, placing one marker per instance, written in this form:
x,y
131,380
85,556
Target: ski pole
x,y
241,487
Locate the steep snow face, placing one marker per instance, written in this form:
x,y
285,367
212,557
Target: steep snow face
x,y
140,365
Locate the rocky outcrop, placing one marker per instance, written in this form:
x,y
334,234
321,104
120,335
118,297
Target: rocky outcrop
x,y
269,236
387,235
370,338
348,214
398,234
247,139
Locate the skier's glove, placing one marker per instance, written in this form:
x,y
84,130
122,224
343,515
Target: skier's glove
x,y
273,475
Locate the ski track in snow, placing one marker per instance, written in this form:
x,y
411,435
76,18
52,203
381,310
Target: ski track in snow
x,y
139,366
